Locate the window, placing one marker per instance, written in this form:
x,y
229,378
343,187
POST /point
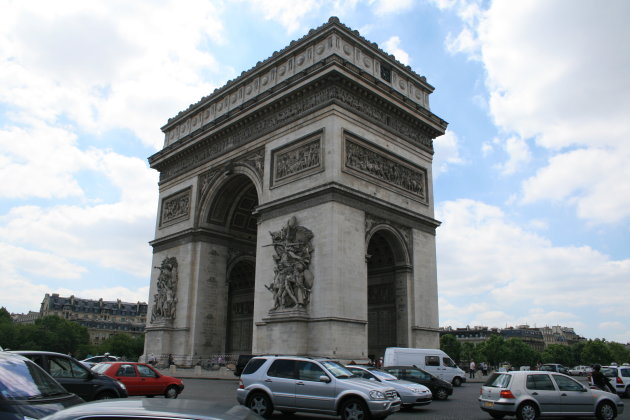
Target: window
x,y
540,383
309,371
432,360
60,368
448,362
126,370
498,380
253,365
625,373
282,368
567,384
417,374
146,371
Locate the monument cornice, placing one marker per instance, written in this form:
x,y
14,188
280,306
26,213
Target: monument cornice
x,y
337,192
199,234
331,87
332,37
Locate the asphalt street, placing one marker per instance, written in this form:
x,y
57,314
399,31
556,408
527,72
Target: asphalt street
x,y
461,405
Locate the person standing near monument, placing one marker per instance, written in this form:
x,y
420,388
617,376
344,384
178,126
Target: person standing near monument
x,y
473,368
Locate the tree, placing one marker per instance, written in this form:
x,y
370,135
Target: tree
x,y
518,353
557,353
5,316
619,353
493,350
131,347
452,347
596,351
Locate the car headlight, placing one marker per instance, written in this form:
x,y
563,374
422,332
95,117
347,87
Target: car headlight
x,y
120,384
377,395
416,390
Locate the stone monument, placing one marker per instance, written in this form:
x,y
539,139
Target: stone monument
x,y
296,209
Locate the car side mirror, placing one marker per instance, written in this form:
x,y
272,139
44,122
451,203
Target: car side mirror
x,y
324,378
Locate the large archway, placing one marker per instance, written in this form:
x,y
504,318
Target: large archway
x,y
232,213
386,290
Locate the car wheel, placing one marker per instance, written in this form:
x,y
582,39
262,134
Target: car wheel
x,y
171,392
627,393
606,411
457,381
105,395
260,404
441,394
354,409
527,411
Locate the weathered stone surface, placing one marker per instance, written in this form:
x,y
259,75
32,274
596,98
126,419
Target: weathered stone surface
x,y
309,174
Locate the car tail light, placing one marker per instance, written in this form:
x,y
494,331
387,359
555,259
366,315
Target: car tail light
x,y
506,393
240,384
619,381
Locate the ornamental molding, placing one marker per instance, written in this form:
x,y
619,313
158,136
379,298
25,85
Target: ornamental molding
x,y
332,39
373,222
176,208
362,159
254,161
333,90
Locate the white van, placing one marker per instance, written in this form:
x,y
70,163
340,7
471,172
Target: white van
x,y
434,361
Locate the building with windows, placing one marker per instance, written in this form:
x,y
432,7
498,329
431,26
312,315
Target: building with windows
x,y
28,318
559,335
101,318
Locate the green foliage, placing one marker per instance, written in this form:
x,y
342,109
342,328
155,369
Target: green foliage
x,y
518,353
450,346
596,351
557,353
131,347
619,353
493,350
5,316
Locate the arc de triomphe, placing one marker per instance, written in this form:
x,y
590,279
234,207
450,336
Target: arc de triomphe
x,y
296,209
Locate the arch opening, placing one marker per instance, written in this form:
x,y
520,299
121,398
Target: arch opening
x,y
384,258
232,212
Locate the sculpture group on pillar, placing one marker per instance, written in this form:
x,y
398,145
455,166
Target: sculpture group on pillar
x,y
165,300
292,282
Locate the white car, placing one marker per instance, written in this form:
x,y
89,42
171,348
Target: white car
x,y
580,370
619,378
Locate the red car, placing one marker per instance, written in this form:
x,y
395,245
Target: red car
x,y
141,379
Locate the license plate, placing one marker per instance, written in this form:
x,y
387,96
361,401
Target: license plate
x,y
488,404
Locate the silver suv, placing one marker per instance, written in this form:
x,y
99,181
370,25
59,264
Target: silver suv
x,y
313,385
530,394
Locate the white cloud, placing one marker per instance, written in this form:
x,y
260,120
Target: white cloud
x,y
446,153
518,155
385,7
288,13
392,46
482,256
106,65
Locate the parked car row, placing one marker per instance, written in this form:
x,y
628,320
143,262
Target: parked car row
x,y
34,384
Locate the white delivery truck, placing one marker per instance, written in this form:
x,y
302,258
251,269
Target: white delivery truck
x,y
434,361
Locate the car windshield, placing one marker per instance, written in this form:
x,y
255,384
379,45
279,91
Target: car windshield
x,y
101,367
24,380
383,375
498,380
337,370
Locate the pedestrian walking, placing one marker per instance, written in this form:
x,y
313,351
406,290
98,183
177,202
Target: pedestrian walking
x,y
472,367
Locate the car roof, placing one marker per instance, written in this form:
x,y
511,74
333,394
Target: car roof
x,y
156,408
43,352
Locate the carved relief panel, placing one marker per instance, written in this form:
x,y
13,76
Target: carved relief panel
x,y
297,160
370,162
175,208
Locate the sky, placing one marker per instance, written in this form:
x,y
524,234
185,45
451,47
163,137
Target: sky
x,y
531,179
